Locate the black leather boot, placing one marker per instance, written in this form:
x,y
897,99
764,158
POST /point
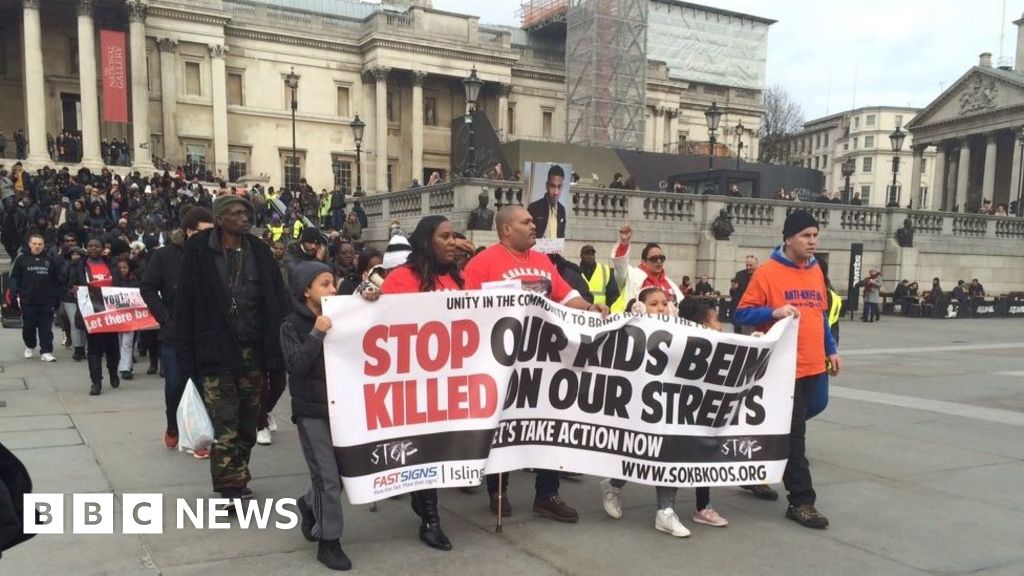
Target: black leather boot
x,y
95,374
79,354
425,505
330,554
112,360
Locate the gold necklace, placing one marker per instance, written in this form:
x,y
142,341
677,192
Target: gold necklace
x,y
516,257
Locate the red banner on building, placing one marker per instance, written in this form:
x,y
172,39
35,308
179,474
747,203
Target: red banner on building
x,y
113,58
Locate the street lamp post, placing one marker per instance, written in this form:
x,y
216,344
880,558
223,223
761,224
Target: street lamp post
x,y
357,133
1020,179
848,168
471,84
713,115
292,80
896,139
739,129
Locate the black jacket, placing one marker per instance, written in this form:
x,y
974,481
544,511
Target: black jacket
x,y
35,279
160,284
14,484
303,350
540,211
204,340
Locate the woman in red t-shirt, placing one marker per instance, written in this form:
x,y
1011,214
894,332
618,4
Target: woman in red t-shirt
x,y
431,267
97,271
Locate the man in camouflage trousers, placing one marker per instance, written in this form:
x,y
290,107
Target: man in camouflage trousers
x,y
228,313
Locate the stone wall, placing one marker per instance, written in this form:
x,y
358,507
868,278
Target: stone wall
x,y
947,245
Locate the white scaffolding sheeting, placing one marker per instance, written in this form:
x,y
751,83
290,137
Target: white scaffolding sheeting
x,y
708,47
606,72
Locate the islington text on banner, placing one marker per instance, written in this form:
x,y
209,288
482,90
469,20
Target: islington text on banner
x,y
113,309
436,390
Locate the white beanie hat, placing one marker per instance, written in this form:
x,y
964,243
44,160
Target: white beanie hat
x,y
397,252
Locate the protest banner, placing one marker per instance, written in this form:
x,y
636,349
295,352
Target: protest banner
x,y
437,389
112,309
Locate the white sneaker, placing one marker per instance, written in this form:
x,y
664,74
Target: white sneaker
x,y
271,423
667,521
612,505
48,357
263,437
29,353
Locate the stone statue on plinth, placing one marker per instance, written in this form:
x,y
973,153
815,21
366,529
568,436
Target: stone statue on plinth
x,y
482,217
722,227
905,235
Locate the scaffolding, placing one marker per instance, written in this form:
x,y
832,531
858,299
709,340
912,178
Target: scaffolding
x,y
606,72
538,15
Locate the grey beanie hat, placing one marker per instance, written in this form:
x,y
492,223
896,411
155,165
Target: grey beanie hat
x,y
303,275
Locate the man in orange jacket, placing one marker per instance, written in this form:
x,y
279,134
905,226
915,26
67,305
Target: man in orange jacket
x,y
790,283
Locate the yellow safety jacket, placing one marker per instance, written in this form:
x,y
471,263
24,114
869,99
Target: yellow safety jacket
x,y
835,308
597,283
297,229
325,206
276,232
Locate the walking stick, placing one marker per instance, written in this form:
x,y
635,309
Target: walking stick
x,y
497,527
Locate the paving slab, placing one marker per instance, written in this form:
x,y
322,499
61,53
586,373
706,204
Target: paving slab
x,y
908,491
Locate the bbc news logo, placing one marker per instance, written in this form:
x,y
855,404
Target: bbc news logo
x,y
144,513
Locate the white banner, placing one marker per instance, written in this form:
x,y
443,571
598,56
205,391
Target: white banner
x,y
435,390
114,309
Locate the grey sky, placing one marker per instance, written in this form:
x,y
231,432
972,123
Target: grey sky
x,y
901,52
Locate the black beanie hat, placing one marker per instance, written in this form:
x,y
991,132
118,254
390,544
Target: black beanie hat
x,y
303,275
797,221
311,234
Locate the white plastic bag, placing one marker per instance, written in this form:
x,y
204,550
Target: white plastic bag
x,y
194,427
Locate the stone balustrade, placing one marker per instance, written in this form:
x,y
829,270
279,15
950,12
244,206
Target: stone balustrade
x,y
948,245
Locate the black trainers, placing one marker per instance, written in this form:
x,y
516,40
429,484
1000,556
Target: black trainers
x,y
330,554
555,508
806,515
762,491
308,520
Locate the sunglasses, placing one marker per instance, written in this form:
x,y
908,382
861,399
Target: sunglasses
x,y
656,259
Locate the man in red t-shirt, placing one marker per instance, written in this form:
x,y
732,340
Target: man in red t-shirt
x,y
509,260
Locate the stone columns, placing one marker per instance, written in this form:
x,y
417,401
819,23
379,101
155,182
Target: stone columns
x,y
673,131
220,109
504,91
35,89
87,86
988,183
380,74
963,173
915,178
417,125
938,192
659,129
142,156
1015,172
169,100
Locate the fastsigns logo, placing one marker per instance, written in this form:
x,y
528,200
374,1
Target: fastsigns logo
x,y
392,478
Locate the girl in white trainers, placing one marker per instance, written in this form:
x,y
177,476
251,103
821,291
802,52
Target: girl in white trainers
x,y
698,311
651,300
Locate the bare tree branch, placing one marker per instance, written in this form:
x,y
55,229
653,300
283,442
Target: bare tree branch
x,y
782,118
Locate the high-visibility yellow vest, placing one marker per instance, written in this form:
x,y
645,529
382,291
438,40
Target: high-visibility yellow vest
x,y
325,206
835,309
276,232
297,229
597,283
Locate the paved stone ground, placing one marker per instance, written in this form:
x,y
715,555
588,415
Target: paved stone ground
x,y
918,462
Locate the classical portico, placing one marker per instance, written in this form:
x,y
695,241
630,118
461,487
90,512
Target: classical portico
x,y
974,125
